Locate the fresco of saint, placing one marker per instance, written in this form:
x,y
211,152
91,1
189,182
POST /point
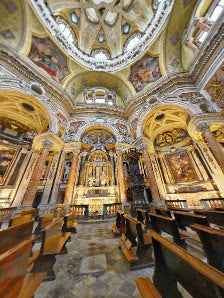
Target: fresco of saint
x,y
44,54
145,71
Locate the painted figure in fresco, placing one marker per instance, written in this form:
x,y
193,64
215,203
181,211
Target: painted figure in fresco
x,y
45,55
145,71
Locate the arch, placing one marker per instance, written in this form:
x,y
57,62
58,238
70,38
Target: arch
x,y
25,110
90,126
162,118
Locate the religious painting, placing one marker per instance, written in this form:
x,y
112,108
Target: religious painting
x,y
145,71
181,167
9,5
98,137
7,34
45,54
7,155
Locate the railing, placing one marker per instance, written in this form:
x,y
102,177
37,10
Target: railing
x,y
6,213
213,203
110,210
80,211
177,204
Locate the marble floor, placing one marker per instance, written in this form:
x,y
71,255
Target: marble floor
x,y
93,267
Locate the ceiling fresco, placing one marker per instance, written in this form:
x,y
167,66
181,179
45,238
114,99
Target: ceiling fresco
x,y
11,22
93,79
145,71
46,55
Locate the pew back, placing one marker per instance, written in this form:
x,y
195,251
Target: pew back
x,y
14,235
34,212
163,211
213,244
175,264
17,220
214,217
168,225
13,265
143,217
185,219
43,222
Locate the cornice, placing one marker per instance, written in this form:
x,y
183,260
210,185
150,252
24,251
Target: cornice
x,y
91,108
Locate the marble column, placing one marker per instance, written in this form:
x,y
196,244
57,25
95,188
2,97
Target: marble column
x,y
121,176
215,146
112,169
82,168
37,174
71,178
151,177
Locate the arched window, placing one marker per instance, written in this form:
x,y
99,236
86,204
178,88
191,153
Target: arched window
x,y
132,42
66,31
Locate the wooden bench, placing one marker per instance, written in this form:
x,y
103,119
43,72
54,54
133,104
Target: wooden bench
x,y
119,227
53,243
135,245
163,211
17,220
214,217
60,210
43,222
174,264
186,219
14,279
15,249
213,244
70,223
168,225
143,217
34,212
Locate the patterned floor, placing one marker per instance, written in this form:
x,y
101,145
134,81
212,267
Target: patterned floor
x,y
93,267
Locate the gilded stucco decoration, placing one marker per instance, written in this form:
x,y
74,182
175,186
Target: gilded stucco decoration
x,y
215,86
12,22
163,119
98,137
145,71
47,56
171,137
7,155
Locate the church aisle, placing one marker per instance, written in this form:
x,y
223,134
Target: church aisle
x,y
93,267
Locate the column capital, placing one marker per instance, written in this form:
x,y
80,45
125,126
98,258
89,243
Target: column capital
x,y
73,147
47,140
144,143
122,147
200,123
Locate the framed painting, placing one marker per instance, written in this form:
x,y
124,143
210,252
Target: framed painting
x,y
7,155
181,167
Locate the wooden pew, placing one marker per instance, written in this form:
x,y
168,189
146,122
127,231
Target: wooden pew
x,y
17,220
163,211
174,264
143,217
135,245
70,223
186,219
43,222
119,227
168,225
213,244
34,212
53,243
14,279
214,217
12,236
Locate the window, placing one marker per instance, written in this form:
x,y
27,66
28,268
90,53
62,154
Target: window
x,y
132,42
101,54
66,31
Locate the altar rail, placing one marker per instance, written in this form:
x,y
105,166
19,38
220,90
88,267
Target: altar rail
x,y
177,204
6,213
110,210
80,211
213,203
